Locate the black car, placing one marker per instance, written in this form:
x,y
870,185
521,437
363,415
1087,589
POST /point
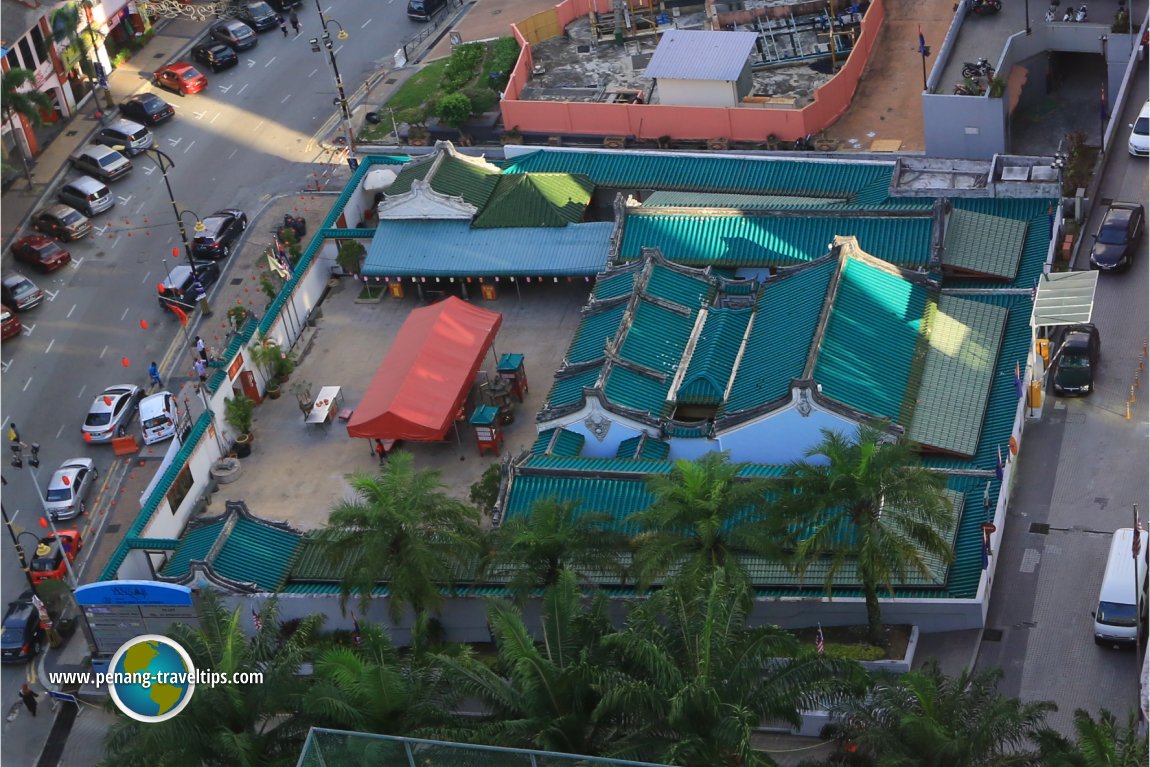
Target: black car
x,y
147,109
1118,236
258,15
221,230
215,56
285,6
1076,356
20,634
179,287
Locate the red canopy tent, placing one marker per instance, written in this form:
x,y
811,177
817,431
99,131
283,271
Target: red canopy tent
x,y
422,382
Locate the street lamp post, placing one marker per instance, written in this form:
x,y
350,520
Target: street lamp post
x,y
33,465
345,113
101,75
19,549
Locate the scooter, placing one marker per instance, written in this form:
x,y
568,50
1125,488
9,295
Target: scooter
x,y
1051,13
984,7
980,68
1080,15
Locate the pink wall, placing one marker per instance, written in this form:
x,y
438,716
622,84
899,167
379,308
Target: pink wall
x,y
651,121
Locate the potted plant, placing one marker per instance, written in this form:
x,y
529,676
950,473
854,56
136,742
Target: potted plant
x,y
238,412
285,364
266,354
237,315
350,256
273,389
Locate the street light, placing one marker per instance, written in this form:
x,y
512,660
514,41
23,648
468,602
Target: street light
x,y
326,38
101,75
33,465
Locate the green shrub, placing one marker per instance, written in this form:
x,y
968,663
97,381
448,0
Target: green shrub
x,y
482,99
412,116
462,66
855,652
454,109
502,60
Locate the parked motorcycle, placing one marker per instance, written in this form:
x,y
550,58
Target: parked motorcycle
x,y
1080,14
983,7
1051,13
980,68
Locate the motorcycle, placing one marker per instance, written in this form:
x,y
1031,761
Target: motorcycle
x,y
1080,14
983,7
1051,13
980,68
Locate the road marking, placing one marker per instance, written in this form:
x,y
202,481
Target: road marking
x,y
225,88
26,383
51,294
241,90
273,58
145,280
175,142
200,115
337,50
259,125
233,154
327,10
15,514
59,431
76,265
115,242
101,229
286,99
189,147
125,314
213,120
28,329
313,73
50,345
68,316
124,200
85,386
4,368
149,169
251,63
364,24
103,352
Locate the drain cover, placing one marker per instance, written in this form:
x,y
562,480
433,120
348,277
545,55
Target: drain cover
x,y
237,281
113,528
1040,528
992,635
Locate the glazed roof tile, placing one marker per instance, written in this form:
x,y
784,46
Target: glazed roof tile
x,y
558,442
536,200
981,244
1037,215
595,332
712,361
656,337
643,447
568,386
645,392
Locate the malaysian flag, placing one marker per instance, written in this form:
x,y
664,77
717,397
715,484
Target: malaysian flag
x,y
998,467
356,636
256,619
1137,548
985,549
922,49
820,642
281,255
1017,381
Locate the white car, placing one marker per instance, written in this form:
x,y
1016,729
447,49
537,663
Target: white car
x,y
1139,145
69,488
158,416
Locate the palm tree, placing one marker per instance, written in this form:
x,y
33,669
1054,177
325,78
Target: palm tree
x,y
237,725
926,718
867,502
403,529
1100,742
539,694
555,537
19,103
703,516
690,681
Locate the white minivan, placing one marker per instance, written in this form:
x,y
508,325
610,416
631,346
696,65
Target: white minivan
x,y
1122,598
158,417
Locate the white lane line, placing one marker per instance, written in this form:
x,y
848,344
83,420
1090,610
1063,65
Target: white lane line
x,y
99,230
16,513
145,280
241,90
175,142
337,50
51,294
50,344
26,384
313,73
327,10
286,99
125,314
125,200
140,207
81,392
115,242
189,147
213,120
364,24
149,170
233,154
59,431
76,263
4,367
259,125
68,316
273,58
103,352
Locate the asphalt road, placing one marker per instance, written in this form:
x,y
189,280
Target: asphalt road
x,y
248,136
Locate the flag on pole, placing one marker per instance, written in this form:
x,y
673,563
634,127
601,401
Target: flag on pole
x,y
1103,112
985,549
275,265
181,315
356,636
1017,380
282,255
1137,549
998,466
922,49
820,642
986,497
256,619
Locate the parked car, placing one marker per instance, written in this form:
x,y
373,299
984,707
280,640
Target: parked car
x,y
62,222
235,34
147,109
180,77
1118,236
48,563
424,10
177,287
10,324
101,162
20,293
87,195
42,252
159,415
69,488
285,6
20,634
221,230
127,136
110,413
215,56
1076,353
258,15
1139,144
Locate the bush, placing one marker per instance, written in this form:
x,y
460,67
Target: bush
x,y
485,492
502,60
454,109
482,99
855,652
462,66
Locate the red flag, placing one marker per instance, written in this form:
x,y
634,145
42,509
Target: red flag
x,y
181,315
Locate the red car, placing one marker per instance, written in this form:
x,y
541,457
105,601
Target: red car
x,y
48,560
41,252
10,324
182,78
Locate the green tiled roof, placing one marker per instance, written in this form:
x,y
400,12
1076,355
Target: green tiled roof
x,y
867,349
656,337
536,200
713,358
981,244
786,315
314,563
568,387
739,201
406,176
595,332
630,389
691,290
757,240
614,284
193,546
558,442
449,175
643,446
1036,213
965,337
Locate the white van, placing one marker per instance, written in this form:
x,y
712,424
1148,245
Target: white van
x,y
1122,598
158,416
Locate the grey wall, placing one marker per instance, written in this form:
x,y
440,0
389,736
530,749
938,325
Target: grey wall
x,y
964,127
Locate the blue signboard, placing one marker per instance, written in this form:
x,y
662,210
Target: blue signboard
x,y
133,593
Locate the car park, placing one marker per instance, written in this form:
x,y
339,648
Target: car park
x,y
158,417
1118,236
42,252
20,633
235,34
62,222
127,136
1075,363
111,412
101,162
1139,143
215,56
258,15
20,293
87,195
221,230
178,288
10,324
49,563
180,77
68,490
147,109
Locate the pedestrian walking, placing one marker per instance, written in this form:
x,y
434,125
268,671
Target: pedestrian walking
x,y
283,24
202,348
294,19
154,375
29,698
201,369
381,451
13,434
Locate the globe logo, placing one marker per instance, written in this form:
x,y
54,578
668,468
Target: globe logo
x,y
151,678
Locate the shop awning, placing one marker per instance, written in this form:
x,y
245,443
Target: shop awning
x,y
422,382
1064,298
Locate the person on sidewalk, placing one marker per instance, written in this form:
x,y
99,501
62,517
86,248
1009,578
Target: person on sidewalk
x,y
381,451
283,24
201,349
154,375
294,19
29,698
201,369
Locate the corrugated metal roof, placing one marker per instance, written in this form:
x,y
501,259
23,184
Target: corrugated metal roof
x,y
656,337
739,201
965,337
257,554
454,249
865,356
693,54
689,289
1037,214
983,244
712,362
568,388
767,240
614,284
786,315
594,333
194,546
645,393
865,184
536,200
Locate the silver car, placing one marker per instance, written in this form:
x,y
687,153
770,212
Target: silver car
x,y
111,412
69,488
